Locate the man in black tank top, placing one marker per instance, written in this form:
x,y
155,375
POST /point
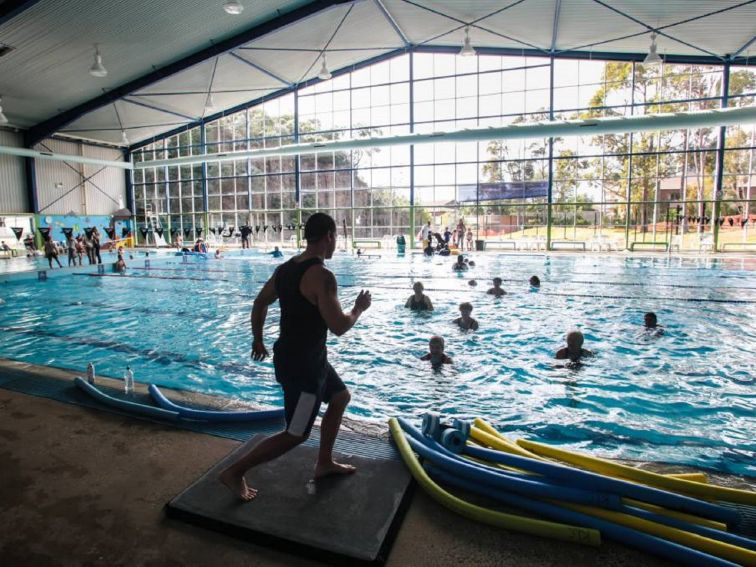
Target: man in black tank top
x,y
310,307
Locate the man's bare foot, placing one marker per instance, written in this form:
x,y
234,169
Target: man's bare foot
x,y
236,484
331,468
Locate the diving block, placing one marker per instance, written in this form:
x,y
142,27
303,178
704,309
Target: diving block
x,y
124,405
212,415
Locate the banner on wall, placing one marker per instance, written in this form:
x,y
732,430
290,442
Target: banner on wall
x,y
159,232
89,231
144,232
124,232
198,231
110,231
44,231
18,231
503,190
67,231
174,231
187,231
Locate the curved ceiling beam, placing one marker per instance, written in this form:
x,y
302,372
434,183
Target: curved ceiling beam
x,y
52,125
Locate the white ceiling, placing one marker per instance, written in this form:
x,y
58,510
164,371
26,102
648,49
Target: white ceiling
x,y
47,71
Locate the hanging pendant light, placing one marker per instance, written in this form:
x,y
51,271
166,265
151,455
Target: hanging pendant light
x,y
98,69
324,73
234,8
124,138
467,49
653,57
3,117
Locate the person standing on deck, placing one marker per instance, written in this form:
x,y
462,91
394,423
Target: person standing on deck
x,y
310,307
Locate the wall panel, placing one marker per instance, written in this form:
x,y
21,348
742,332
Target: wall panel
x,y
13,197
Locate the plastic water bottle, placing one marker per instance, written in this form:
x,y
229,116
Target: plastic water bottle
x,y
90,373
128,381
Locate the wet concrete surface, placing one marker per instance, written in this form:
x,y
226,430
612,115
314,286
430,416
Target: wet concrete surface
x,y
85,487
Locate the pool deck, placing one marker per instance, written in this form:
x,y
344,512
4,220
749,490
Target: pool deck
x,y
86,487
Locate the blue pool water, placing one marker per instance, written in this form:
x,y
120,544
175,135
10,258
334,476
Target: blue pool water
x,y
688,397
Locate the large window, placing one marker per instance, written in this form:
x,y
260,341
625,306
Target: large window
x,y
623,188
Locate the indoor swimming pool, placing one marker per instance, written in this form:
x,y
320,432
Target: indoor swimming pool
x,y
686,397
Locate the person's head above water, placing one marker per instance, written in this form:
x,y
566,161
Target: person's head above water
x,y
575,340
497,282
418,288
460,259
320,233
649,320
534,281
436,345
465,308
275,248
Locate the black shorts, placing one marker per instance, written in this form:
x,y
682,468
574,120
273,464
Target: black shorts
x,y
302,403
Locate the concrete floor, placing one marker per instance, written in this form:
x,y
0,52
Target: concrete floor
x,y
84,487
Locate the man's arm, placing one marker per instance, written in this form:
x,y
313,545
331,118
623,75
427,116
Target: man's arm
x,y
327,299
266,296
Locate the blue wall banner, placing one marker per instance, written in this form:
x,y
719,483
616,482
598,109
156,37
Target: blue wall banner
x,y
503,190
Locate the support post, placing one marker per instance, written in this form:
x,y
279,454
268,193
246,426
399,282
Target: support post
x,y
412,149
550,193
721,142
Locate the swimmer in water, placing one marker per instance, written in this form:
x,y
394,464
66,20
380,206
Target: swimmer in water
x,y
534,281
472,283
436,355
465,322
574,349
460,265
651,324
419,301
496,290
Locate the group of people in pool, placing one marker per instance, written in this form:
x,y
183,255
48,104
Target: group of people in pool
x,y
572,351
418,301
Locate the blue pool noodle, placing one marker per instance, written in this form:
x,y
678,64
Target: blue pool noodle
x,y
589,480
213,415
528,486
132,407
640,540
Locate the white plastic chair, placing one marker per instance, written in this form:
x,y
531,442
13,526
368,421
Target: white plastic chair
x,y
706,242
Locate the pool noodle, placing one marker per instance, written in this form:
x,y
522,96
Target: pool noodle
x,y
680,485
212,415
424,447
496,439
521,524
640,540
132,407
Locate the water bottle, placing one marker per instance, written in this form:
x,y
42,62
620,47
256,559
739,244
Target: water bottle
x,y
128,381
90,373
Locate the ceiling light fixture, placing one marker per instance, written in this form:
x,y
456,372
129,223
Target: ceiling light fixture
x,y
653,57
324,73
209,103
3,117
467,49
234,8
125,138
98,69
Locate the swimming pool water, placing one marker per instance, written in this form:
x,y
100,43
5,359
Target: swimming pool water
x,y
686,397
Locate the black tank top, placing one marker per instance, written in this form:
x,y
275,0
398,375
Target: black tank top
x,y
300,350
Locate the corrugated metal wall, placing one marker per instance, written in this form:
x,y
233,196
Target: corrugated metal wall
x,y
12,178
98,195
